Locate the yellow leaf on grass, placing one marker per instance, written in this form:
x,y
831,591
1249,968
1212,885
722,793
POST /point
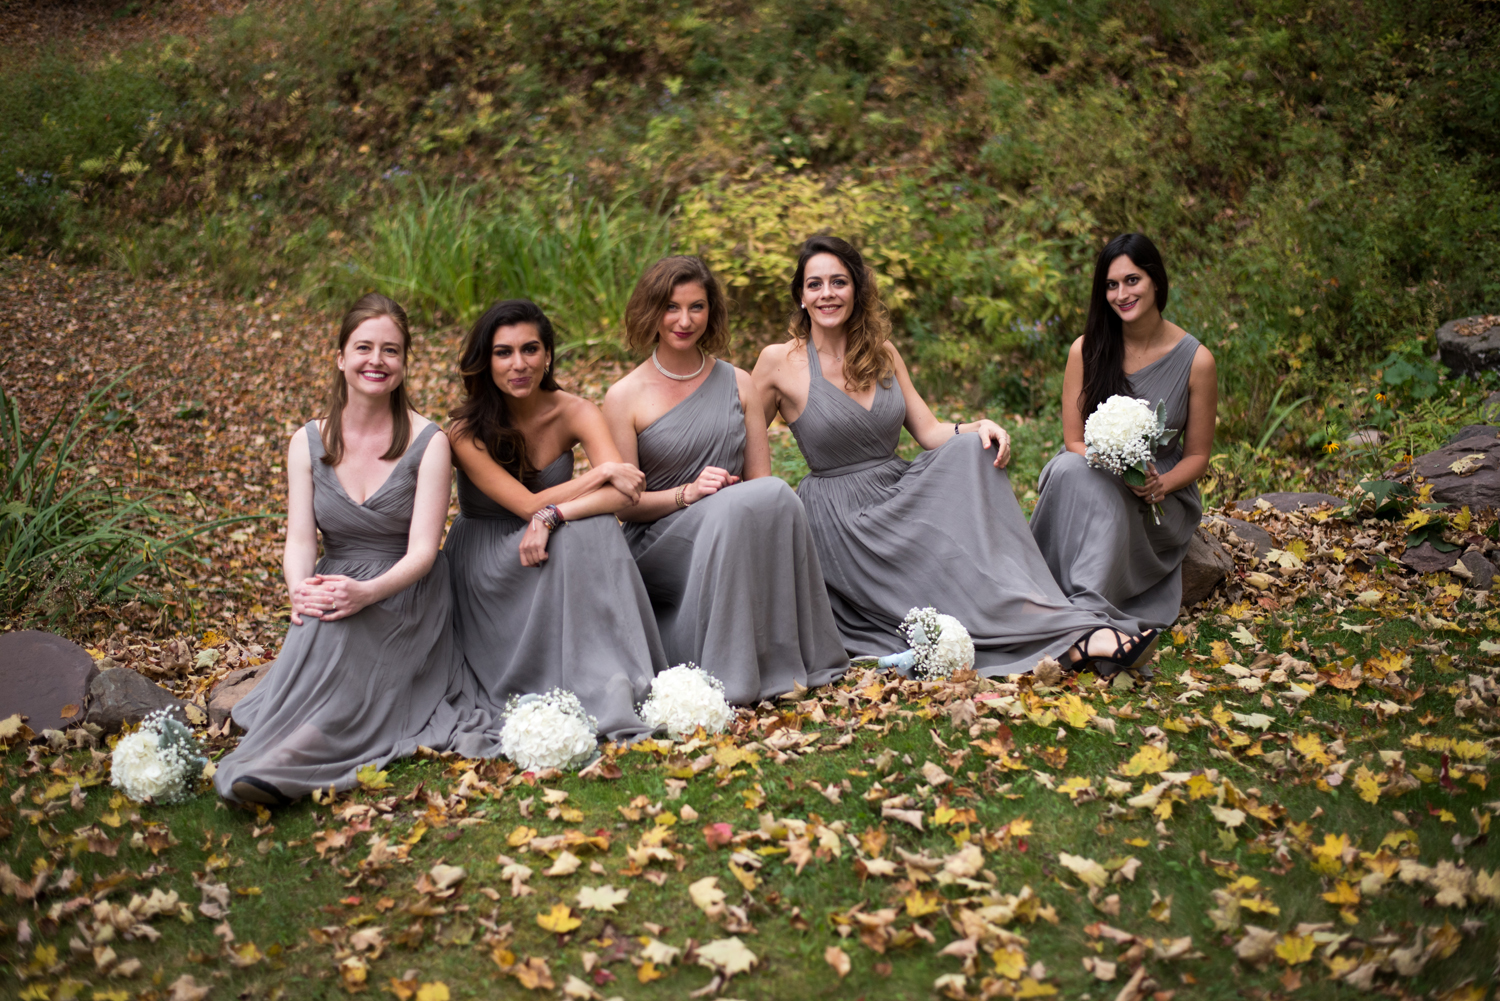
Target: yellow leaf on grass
x,y
1296,949
560,919
1342,894
1010,962
1368,785
1310,746
1222,716
1075,785
1199,787
1074,711
1329,856
1020,828
371,777
944,815
919,903
434,991
648,972
520,836
1086,869
1149,760
1221,652
1029,988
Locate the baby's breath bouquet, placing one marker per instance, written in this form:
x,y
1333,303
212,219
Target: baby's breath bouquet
x,y
548,730
685,697
940,645
1122,436
160,762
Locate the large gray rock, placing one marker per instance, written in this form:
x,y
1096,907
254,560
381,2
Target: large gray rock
x,y
122,696
1425,559
1471,344
1481,568
1286,502
231,688
1253,534
1204,566
1476,482
43,676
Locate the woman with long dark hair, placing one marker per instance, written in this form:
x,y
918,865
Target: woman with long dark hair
x,y
944,530
1108,551
546,593
722,545
368,671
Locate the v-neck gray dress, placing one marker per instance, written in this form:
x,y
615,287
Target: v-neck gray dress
x,y
734,578
1105,549
580,622
372,687
943,530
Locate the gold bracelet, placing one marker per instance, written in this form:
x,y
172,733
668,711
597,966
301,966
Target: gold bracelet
x,y
682,496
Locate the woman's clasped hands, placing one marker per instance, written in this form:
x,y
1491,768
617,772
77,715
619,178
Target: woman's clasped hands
x,y
709,482
1152,491
328,597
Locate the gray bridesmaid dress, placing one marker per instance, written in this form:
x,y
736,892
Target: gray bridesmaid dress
x,y
372,687
1104,548
943,530
580,622
734,578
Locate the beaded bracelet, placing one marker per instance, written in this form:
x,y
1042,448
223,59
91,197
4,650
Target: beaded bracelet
x,y
551,517
682,496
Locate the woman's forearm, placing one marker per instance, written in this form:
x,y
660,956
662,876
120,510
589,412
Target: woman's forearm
x,y
605,500
297,564
653,506
1185,473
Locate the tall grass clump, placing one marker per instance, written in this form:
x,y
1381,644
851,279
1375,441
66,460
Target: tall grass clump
x,y
67,538
449,253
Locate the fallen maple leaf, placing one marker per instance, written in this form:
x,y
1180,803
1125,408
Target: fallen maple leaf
x,y
1086,869
602,898
707,896
838,959
560,919
727,955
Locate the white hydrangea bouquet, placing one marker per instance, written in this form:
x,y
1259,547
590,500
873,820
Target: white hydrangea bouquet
x,y
940,645
161,762
1122,436
548,730
685,697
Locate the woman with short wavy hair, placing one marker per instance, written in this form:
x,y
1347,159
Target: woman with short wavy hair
x,y
722,545
944,530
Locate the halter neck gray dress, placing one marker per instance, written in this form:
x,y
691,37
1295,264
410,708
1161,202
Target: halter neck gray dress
x,y
1100,540
372,687
734,578
580,622
943,530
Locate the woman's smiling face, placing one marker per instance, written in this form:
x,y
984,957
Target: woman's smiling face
x,y
1129,291
827,291
373,359
686,317
518,359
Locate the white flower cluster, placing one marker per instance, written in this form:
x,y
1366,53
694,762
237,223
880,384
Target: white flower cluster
x,y
940,643
684,698
548,730
1123,434
160,762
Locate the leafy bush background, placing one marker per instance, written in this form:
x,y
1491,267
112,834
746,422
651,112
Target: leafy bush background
x,y
1322,177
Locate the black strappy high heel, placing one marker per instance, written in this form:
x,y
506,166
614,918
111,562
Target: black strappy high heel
x,y
253,790
1127,653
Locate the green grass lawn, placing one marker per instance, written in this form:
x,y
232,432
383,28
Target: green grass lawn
x,y
1249,829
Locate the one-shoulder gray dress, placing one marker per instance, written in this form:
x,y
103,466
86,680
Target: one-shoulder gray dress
x,y
734,578
580,622
372,687
1105,549
943,530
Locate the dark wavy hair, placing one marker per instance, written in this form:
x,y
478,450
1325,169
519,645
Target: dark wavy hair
x,y
869,326
1104,332
369,307
653,294
484,414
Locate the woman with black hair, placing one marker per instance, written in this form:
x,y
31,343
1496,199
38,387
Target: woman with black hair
x,y
942,530
546,593
1105,547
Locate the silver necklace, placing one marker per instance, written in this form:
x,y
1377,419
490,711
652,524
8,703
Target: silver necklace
x,y
673,375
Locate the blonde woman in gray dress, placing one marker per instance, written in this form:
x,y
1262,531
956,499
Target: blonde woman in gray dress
x,y
1106,550
722,545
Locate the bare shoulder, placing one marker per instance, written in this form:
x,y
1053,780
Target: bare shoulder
x,y
744,382
297,445
624,392
1075,350
893,356
776,355
1203,359
418,422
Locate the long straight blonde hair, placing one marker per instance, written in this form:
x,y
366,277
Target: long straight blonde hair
x,y
369,307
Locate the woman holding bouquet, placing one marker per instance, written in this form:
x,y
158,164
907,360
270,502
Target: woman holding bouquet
x,y
369,670
1110,552
546,593
722,545
944,530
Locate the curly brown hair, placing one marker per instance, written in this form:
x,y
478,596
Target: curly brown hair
x,y
868,331
653,294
